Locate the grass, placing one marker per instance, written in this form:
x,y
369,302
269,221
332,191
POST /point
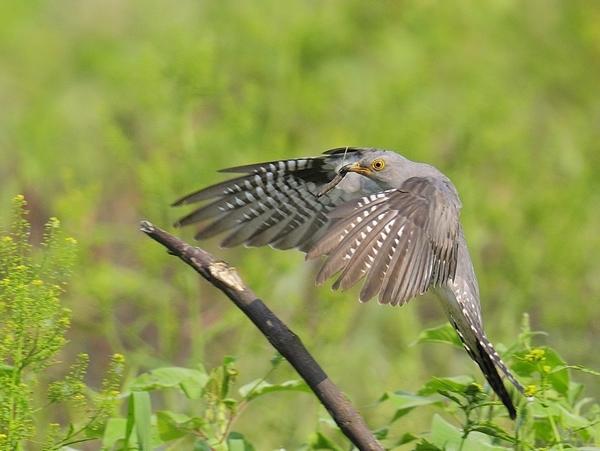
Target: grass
x,y
110,111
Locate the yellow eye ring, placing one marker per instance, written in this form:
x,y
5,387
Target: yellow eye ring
x,y
378,164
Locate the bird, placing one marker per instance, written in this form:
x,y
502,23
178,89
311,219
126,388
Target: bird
x,y
373,215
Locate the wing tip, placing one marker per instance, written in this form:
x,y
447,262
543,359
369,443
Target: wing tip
x,y
312,254
186,220
236,170
194,197
364,299
179,202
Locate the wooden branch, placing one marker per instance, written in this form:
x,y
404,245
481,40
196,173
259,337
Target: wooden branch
x,y
287,343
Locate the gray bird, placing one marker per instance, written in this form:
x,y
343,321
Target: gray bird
x,y
376,216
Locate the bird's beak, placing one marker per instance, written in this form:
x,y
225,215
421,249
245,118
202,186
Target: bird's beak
x,y
355,167
352,167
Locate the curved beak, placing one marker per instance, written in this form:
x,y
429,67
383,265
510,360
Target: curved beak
x,y
355,167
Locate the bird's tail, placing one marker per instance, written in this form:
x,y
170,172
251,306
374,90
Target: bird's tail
x,y
483,353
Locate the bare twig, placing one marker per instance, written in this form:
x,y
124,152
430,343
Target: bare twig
x,y
226,278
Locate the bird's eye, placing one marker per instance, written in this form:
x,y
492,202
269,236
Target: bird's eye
x,y
378,164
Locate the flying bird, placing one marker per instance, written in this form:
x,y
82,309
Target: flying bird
x,y
375,216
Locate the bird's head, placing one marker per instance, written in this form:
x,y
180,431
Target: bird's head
x,y
382,166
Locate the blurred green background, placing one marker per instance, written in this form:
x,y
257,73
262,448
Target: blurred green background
x,y
110,110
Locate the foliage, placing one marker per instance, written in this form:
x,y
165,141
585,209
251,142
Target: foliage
x,y
216,409
465,415
555,415
112,110
33,326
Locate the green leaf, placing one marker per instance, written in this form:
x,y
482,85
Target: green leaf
x,y
440,334
424,445
173,425
381,434
190,381
320,441
571,420
406,438
575,395
550,365
558,377
448,437
523,367
330,422
494,431
404,402
457,384
540,409
276,360
443,434
202,445
237,442
542,431
140,413
258,388
114,431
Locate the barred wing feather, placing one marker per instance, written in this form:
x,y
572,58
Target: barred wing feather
x,y
402,241
272,203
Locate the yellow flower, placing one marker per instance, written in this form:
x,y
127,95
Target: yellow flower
x,y
531,390
37,282
535,355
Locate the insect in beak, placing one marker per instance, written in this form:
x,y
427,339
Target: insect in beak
x,y
337,179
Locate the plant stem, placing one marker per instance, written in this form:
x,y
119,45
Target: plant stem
x,y
555,432
16,382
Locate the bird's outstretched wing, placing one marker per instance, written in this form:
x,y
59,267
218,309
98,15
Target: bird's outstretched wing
x,y
275,203
402,240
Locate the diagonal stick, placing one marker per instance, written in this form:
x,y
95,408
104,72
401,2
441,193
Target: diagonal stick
x,y
288,344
